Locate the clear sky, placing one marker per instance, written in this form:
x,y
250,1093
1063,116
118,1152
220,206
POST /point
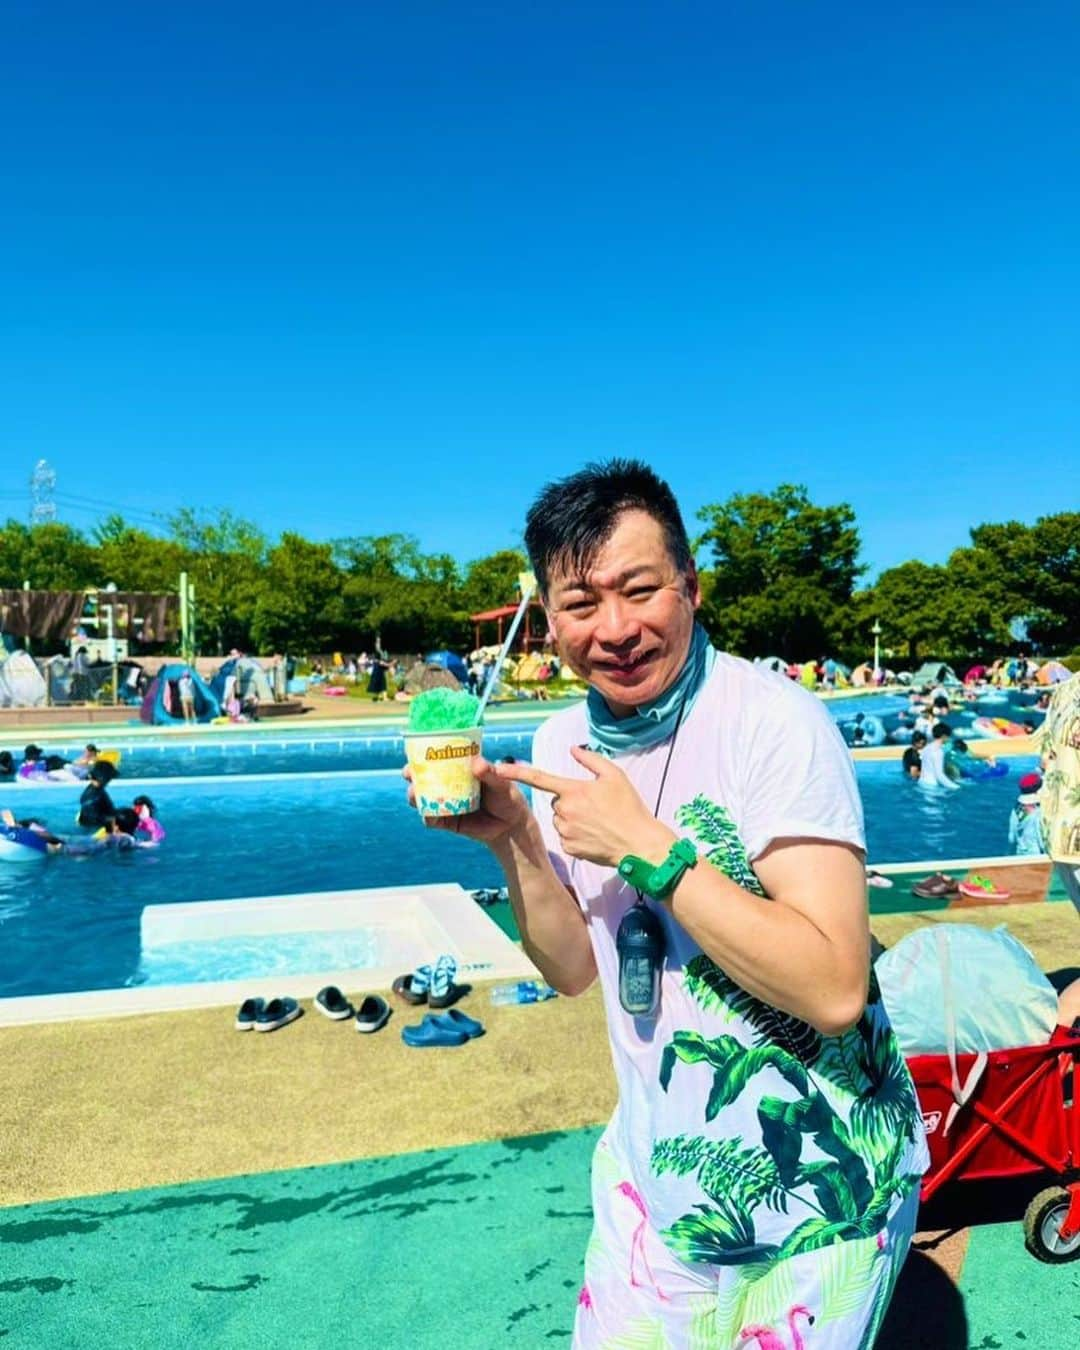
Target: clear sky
x,y
353,268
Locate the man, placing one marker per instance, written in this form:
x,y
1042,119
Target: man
x,y
1060,796
912,761
932,771
766,1118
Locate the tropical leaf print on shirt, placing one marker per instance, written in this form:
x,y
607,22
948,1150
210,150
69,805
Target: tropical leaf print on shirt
x,y
831,1154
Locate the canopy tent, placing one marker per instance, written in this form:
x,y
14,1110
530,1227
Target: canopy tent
x,y
1052,672
22,685
862,674
504,614
161,706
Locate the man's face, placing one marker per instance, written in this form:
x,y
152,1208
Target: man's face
x,y
625,626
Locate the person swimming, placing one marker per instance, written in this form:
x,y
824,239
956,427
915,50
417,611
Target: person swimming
x,y
149,826
95,804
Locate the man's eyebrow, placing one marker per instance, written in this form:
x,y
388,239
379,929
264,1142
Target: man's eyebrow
x,y
581,584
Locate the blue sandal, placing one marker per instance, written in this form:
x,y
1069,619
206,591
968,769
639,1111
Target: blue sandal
x,y
443,991
430,1033
458,1021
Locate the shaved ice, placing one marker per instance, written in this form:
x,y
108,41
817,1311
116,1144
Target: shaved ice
x,y
443,710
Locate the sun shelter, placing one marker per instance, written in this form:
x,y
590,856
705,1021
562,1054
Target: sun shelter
x,y
251,680
449,661
22,685
161,706
935,672
1051,672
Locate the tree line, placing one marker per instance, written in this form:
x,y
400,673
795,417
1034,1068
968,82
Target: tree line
x,y
781,576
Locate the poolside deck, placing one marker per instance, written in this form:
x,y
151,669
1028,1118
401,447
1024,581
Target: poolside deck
x,y
106,1108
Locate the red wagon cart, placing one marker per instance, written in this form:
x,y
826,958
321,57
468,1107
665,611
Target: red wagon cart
x,y
1010,1113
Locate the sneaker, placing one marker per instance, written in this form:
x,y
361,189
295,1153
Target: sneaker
x,y
876,879
980,887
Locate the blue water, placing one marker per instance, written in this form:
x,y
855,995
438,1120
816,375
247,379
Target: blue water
x,y
265,753
73,923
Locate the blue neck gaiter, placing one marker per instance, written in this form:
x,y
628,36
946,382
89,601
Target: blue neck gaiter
x,y
652,722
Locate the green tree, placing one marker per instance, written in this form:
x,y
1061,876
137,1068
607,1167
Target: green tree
x,y
224,556
395,593
492,581
783,572
136,560
51,556
908,602
301,604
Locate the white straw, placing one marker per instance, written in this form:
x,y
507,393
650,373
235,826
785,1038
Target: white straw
x,y
526,596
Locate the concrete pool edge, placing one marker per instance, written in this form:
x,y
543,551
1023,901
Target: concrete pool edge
x,y
450,921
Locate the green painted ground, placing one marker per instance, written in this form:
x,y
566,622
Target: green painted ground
x,y
469,1248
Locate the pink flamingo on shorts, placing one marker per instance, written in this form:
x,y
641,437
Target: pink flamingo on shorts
x,y
768,1339
637,1240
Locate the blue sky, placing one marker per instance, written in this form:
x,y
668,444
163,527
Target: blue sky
x,y
357,268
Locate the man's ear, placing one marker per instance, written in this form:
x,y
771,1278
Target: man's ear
x,y
693,586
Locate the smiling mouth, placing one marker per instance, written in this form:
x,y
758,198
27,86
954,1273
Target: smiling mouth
x,y
627,667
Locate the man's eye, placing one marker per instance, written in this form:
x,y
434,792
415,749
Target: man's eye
x,y
642,592
579,606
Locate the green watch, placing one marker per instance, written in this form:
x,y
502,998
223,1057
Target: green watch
x,y
659,881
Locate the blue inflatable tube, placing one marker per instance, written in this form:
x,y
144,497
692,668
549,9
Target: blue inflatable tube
x,y
19,845
984,771
863,731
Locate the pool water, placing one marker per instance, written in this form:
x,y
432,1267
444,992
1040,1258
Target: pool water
x,y
237,756
74,923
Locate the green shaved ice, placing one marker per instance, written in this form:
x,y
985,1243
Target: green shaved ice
x,y
443,710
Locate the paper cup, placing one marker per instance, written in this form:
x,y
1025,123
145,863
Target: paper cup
x,y
441,763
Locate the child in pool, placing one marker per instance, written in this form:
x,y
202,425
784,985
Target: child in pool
x,y
149,829
1025,819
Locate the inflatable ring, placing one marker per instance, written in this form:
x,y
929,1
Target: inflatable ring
x,y
20,845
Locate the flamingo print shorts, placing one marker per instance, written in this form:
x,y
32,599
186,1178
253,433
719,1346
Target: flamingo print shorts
x,y
637,1292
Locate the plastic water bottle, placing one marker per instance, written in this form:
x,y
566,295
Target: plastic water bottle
x,y
525,991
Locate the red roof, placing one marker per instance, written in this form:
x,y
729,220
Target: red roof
x,y
503,612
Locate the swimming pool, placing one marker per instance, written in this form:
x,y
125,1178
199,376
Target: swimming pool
x,y
72,923
265,752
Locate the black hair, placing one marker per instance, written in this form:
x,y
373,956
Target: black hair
x,y
102,772
126,820
573,518
961,746
941,701
32,753
91,747
941,731
918,736
6,762
143,800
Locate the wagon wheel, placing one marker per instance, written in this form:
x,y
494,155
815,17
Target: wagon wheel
x,y
1042,1227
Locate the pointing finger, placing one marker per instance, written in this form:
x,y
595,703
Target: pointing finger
x,y
596,763
535,778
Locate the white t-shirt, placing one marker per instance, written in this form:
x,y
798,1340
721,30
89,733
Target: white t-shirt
x,y
756,759
933,773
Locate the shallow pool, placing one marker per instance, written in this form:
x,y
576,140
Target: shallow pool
x,y
73,923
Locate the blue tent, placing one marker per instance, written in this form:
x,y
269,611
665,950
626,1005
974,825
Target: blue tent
x,y
161,706
452,662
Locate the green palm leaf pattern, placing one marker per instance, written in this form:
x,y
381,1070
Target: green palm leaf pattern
x,y
846,1272
854,1101
713,826
718,993
733,1065
712,1235
729,1171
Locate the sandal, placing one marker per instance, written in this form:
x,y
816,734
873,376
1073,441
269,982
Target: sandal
x,y
413,988
443,990
980,887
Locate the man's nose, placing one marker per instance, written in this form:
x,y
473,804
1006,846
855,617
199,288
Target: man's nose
x,y
616,623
